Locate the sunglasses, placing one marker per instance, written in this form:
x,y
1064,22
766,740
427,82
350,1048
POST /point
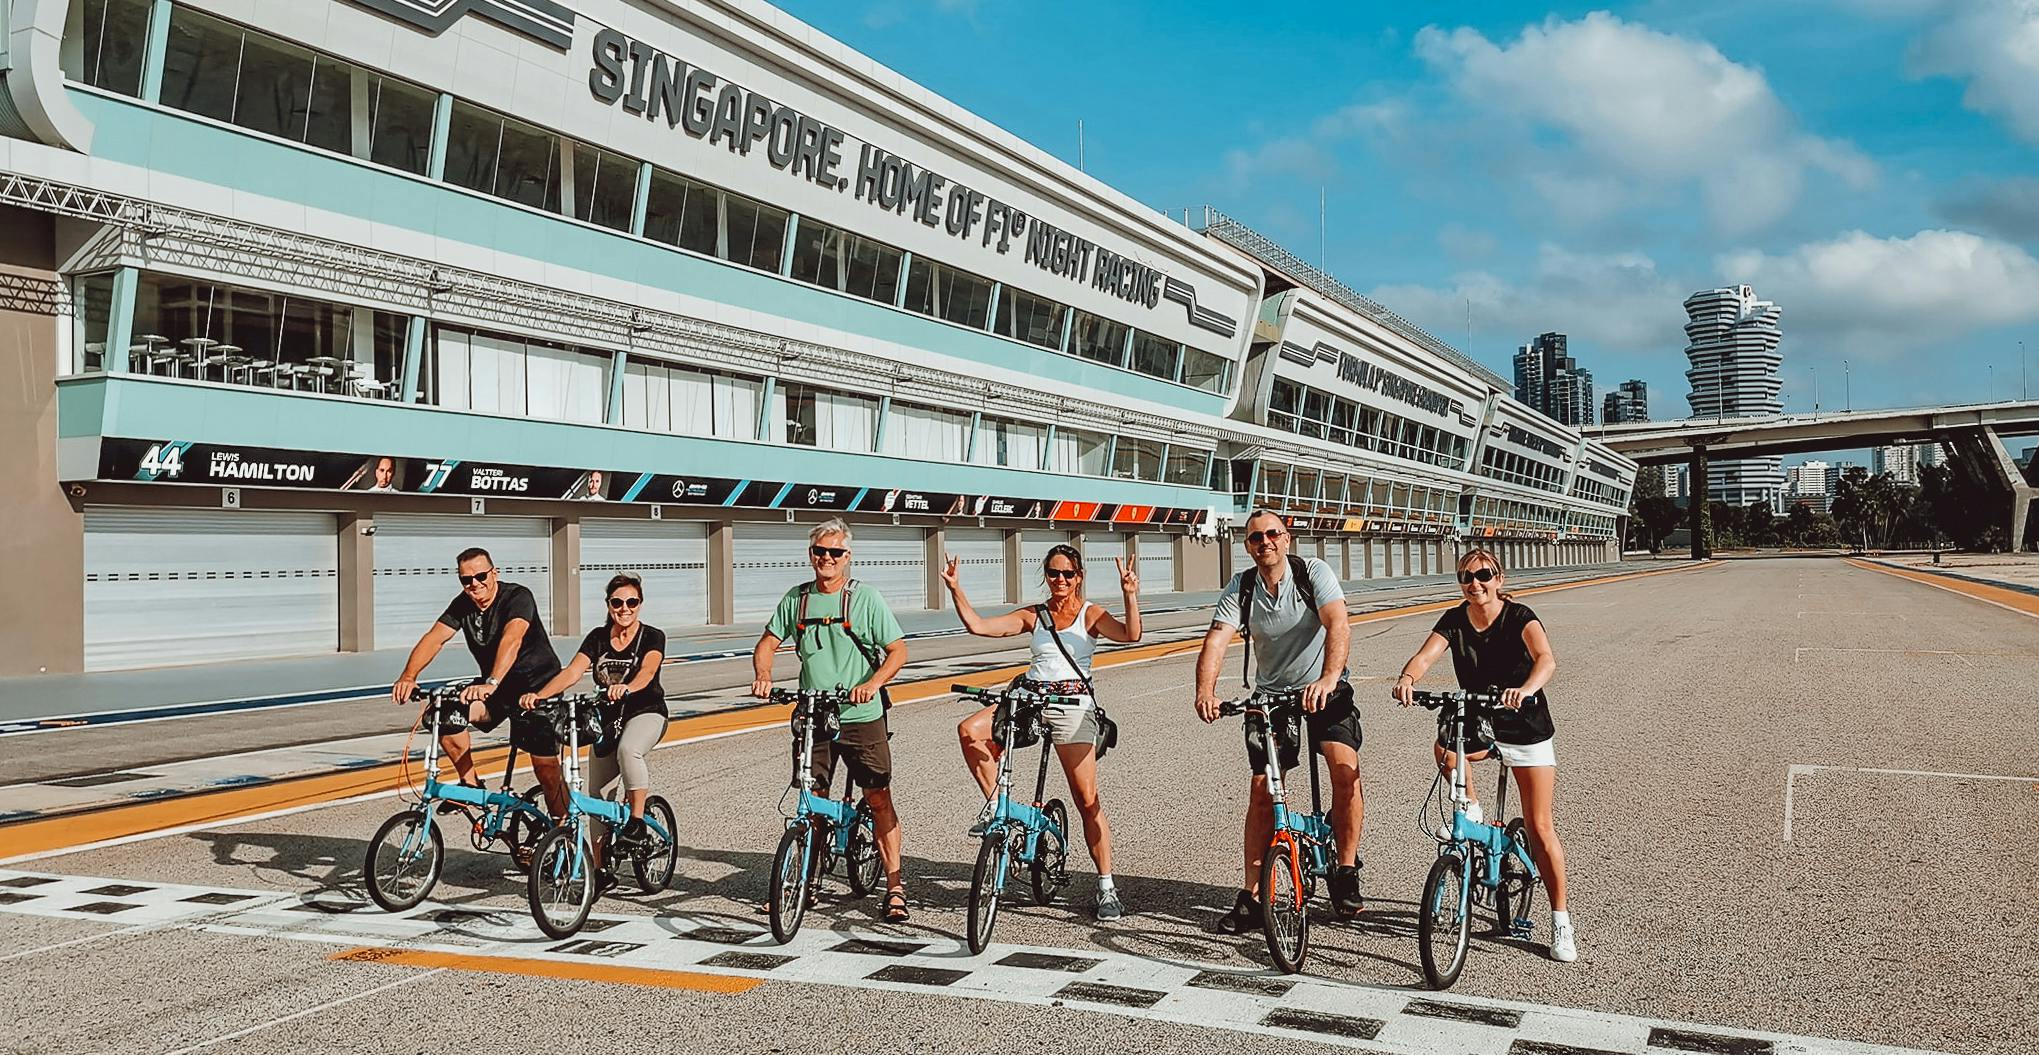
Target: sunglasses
x,y
1483,575
470,580
1059,573
625,602
1258,538
833,552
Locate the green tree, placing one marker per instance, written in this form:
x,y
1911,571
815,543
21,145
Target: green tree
x,y
1759,524
1651,516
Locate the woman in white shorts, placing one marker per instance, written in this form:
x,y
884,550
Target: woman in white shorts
x,y
1498,643
1077,624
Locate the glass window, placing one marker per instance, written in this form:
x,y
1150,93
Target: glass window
x,y
817,254
527,167
95,309
1274,484
1078,451
682,212
946,293
1203,370
1157,357
201,64
1137,459
1008,443
1099,339
820,417
207,332
1025,317
926,432
1187,466
112,36
756,233
604,187
274,90
473,138
400,125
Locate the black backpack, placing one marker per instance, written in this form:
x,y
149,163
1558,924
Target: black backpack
x,y
1300,572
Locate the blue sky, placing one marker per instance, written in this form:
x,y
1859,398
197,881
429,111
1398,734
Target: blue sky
x,y
1871,165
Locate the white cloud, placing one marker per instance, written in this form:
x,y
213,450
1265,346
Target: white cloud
x,y
1993,45
1465,243
1619,302
1639,113
1288,156
1879,297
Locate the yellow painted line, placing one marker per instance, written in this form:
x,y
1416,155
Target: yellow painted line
x,y
2014,600
615,974
214,807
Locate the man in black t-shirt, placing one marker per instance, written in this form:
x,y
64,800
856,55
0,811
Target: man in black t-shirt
x,y
506,636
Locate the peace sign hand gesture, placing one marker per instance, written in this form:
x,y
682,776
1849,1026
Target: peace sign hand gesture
x,y
950,576
1129,576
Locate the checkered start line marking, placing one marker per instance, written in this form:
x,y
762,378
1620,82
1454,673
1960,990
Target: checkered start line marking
x,y
1293,1006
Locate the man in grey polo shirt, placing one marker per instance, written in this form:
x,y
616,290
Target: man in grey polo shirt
x,y
1299,637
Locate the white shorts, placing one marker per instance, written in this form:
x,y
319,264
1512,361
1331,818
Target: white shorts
x,y
1528,756
1072,725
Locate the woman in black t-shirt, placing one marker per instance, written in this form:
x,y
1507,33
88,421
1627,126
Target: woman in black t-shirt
x,y
1497,644
625,654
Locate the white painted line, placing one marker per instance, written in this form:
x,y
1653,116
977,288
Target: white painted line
x,y
1792,773
1798,654
411,979
1878,615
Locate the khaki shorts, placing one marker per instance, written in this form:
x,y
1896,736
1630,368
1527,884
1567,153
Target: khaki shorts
x,y
1072,725
865,749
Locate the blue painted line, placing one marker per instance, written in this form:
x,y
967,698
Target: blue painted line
x,y
637,488
859,500
736,493
781,496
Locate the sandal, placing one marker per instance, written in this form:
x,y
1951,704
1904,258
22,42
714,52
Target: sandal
x,y
895,907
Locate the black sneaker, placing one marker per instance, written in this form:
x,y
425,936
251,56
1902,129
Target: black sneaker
x,y
632,834
1245,915
1345,898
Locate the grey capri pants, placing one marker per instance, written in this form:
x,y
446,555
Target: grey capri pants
x,y
640,734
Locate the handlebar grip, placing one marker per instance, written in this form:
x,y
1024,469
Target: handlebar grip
x,y
968,690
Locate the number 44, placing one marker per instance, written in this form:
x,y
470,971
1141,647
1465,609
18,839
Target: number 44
x,y
164,459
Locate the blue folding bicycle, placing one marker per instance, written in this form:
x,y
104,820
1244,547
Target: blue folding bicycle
x,y
820,830
1034,834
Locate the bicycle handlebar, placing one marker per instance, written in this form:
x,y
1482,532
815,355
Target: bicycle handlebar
x,y
1434,700
1000,694
839,697
1291,699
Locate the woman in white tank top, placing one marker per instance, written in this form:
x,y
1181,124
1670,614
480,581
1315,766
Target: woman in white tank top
x,y
1078,624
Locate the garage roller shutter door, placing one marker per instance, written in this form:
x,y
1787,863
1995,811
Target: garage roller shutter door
x,y
414,577
772,558
1034,546
893,561
671,556
195,586
1157,564
981,567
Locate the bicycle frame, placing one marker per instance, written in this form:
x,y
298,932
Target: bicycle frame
x,y
501,804
1311,830
839,816
1493,840
1030,817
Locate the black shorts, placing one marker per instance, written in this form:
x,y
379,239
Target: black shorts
x,y
1336,723
529,732
864,747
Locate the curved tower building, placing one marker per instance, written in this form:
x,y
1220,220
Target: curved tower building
x,y
1732,342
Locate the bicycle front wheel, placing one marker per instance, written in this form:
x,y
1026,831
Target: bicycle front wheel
x,y
1444,921
1284,907
403,860
791,867
986,884
561,886
654,862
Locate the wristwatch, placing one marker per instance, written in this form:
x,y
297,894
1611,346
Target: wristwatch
x,y
490,682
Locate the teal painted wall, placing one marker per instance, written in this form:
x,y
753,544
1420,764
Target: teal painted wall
x,y
164,140
160,409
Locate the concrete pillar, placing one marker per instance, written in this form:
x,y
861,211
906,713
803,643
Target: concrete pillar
x,y
42,545
1345,557
357,582
566,575
721,573
1014,557
1698,518
1982,454
1196,565
936,548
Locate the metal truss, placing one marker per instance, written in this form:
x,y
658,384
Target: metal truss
x,y
153,234
1253,243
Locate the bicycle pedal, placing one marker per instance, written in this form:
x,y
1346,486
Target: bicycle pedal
x,y
1522,928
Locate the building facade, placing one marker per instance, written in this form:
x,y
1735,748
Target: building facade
x,y
1901,461
1629,402
1732,345
1551,382
317,294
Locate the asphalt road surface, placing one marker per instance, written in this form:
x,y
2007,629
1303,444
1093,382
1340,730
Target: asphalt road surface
x,y
1892,907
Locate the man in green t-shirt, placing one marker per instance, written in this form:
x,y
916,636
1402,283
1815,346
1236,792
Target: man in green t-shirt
x,y
859,651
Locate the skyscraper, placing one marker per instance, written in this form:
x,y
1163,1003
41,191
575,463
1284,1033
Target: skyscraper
x,y
1630,401
1901,461
1552,382
1732,346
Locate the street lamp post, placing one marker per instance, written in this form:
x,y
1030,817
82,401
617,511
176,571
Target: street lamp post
x,y
1847,388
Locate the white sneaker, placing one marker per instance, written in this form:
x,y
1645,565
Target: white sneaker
x,y
1563,945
